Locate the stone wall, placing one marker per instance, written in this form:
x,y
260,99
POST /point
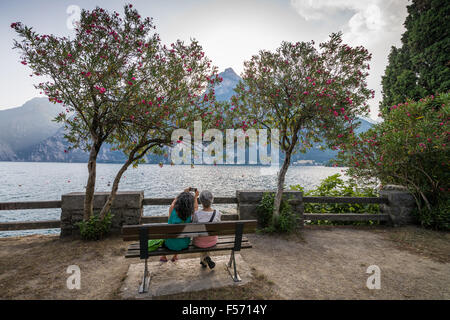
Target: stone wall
x,y
127,209
248,201
400,204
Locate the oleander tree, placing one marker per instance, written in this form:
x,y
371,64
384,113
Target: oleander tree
x,y
180,91
308,94
410,148
102,76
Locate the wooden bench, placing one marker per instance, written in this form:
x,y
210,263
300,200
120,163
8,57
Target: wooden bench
x,y
230,238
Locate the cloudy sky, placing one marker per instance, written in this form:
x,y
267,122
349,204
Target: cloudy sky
x,y
230,31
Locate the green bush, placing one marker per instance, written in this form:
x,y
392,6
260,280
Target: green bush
x,y
95,228
286,222
409,148
334,186
437,218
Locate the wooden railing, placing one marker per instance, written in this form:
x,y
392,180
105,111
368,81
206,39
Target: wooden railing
x,y
346,216
49,224
29,225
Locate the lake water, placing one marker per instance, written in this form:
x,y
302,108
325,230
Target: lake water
x,y
34,181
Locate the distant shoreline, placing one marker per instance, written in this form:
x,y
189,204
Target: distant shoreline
x,y
168,164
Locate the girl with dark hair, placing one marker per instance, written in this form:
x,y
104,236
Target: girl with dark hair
x,y
181,211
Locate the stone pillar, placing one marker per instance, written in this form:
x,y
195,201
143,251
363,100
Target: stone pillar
x,y
248,201
399,206
127,209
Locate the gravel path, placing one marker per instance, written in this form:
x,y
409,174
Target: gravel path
x,y
320,263
332,264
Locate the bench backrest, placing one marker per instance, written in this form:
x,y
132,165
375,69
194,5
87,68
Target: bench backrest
x,y
145,232
183,230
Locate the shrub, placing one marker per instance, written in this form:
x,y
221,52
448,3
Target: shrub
x,y
438,217
286,222
95,228
334,186
409,148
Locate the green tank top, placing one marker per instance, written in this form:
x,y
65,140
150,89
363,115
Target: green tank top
x,y
181,243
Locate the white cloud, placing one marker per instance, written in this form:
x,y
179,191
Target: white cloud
x,y
319,9
374,24
372,20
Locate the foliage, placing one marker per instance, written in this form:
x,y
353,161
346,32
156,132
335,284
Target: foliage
x,y
309,95
118,84
438,217
286,222
92,75
95,228
420,66
409,148
334,186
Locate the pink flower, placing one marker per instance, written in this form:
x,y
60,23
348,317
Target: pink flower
x,y
23,62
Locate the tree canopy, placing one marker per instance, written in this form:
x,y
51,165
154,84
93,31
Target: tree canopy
x,y
421,66
308,94
117,83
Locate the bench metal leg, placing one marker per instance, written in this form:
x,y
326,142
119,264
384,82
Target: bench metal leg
x,y
232,261
143,288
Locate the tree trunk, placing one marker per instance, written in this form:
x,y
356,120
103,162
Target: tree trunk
x,y
112,196
280,185
90,186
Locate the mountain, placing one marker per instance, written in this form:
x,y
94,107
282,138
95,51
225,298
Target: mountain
x,y
56,149
27,133
25,126
225,90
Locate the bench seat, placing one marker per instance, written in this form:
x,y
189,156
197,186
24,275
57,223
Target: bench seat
x,y
230,237
223,243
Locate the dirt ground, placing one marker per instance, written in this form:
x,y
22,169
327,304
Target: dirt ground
x,y
318,263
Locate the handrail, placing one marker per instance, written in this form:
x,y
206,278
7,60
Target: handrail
x,y
49,224
26,205
168,201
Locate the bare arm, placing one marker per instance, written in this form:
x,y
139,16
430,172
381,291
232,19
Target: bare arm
x,y
172,206
196,201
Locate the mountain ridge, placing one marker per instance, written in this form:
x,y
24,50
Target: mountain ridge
x,y
28,133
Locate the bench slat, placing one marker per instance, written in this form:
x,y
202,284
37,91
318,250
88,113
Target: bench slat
x,y
186,227
221,240
167,231
133,237
134,253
